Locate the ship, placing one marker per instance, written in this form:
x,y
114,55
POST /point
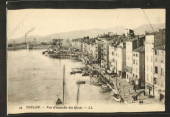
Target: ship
x,y
61,54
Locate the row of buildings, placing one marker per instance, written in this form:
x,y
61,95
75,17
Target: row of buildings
x,y
140,59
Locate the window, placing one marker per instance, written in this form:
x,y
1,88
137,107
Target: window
x,y
156,70
156,59
161,71
133,61
155,52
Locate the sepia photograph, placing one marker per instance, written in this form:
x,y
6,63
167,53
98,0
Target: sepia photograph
x,y
86,60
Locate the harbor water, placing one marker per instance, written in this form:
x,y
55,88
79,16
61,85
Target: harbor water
x,y
35,78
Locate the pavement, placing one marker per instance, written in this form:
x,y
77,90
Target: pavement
x,y
126,89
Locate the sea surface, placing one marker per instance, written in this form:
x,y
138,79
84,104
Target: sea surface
x,y
33,77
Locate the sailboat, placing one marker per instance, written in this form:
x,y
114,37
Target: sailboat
x,y
116,93
59,101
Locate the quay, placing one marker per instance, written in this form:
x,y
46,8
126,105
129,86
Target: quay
x,y
116,84
120,63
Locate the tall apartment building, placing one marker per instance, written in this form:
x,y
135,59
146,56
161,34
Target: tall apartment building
x,y
103,52
132,44
152,42
100,55
121,61
159,72
113,57
118,58
112,51
106,54
149,66
129,49
93,52
138,67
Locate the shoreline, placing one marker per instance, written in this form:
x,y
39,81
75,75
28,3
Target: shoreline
x,y
21,47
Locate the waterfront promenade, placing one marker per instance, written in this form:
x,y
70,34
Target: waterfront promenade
x,y
124,88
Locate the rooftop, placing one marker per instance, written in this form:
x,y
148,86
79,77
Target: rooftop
x,y
136,37
155,32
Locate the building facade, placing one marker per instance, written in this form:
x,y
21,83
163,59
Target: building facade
x,y
76,44
138,67
121,59
129,55
159,72
112,58
152,43
149,54
132,44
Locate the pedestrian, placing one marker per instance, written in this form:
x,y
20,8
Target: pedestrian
x,y
161,97
141,101
121,100
134,87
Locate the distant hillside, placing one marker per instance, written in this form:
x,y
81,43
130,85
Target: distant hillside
x,y
90,33
143,28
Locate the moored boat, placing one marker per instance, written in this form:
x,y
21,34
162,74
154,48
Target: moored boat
x,y
60,54
105,88
117,97
76,70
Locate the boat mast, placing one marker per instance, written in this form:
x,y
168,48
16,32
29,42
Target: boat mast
x,y
78,93
63,81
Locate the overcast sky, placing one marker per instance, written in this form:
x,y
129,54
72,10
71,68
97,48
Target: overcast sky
x,y
48,21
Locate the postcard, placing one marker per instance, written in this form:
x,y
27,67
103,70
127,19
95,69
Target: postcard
x,y
85,60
